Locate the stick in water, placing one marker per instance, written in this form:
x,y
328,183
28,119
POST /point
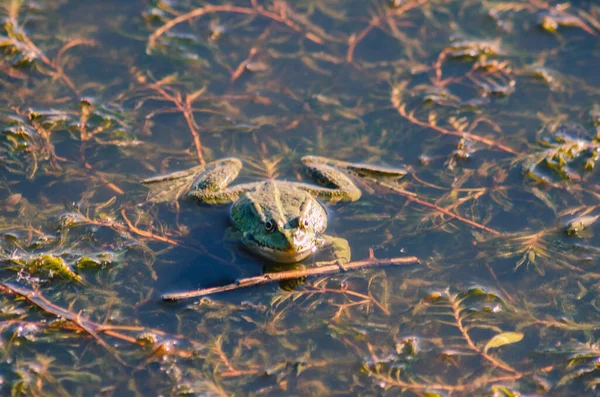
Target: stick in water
x,y
290,275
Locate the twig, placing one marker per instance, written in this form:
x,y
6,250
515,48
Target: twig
x,y
195,14
460,388
198,12
185,107
105,180
82,323
90,327
258,370
459,323
290,275
355,39
386,14
52,64
352,293
240,69
498,283
410,117
253,51
396,100
145,233
414,198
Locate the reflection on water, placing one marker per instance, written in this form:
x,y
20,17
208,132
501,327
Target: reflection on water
x,y
493,108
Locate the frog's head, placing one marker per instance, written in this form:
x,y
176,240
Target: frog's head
x,y
279,221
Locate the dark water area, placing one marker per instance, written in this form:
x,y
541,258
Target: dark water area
x,y
492,109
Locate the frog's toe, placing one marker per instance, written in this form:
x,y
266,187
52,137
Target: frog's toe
x,y
378,171
342,266
315,160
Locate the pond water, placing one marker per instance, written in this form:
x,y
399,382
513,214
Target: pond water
x,y
492,108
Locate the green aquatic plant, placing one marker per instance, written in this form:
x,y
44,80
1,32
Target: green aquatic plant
x,y
566,146
45,266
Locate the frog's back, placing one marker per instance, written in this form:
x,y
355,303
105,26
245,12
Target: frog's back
x,y
280,202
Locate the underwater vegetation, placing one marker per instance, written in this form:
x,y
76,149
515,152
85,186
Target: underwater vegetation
x,y
475,273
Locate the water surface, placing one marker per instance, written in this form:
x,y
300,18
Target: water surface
x,y
493,108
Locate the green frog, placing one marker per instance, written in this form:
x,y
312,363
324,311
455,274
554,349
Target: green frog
x,y
283,221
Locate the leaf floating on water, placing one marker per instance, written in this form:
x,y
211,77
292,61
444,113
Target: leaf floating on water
x,y
505,338
503,391
473,48
95,262
257,67
45,265
13,199
432,394
551,21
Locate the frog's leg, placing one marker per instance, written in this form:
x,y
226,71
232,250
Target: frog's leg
x,y
170,187
207,183
340,249
336,186
327,171
211,185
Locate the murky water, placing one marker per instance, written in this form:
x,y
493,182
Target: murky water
x,y
493,108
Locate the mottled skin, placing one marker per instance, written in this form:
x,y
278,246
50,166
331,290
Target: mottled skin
x,y
280,220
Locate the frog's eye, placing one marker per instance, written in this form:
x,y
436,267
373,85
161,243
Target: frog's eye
x,y
269,226
303,223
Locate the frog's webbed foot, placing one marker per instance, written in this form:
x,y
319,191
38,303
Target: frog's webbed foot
x,y
376,171
340,250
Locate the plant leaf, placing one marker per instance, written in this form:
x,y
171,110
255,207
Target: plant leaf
x,y
505,338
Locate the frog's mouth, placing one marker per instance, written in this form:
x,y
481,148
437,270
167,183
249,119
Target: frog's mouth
x,y
281,255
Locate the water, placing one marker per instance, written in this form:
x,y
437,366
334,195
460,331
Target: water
x,y
495,118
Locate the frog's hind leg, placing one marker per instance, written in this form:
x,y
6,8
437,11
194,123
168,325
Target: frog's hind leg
x,y
337,185
327,171
210,177
211,185
170,187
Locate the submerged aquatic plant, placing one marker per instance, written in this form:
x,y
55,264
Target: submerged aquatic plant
x,y
567,146
95,97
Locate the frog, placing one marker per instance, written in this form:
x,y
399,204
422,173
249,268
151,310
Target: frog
x,y
282,221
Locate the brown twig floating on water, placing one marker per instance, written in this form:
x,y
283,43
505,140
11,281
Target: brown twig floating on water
x,y
256,9
292,274
94,329
80,322
410,196
184,104
413,197
401,108
19,38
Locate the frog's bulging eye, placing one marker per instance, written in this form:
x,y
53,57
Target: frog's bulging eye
x,y
269,226
303,223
